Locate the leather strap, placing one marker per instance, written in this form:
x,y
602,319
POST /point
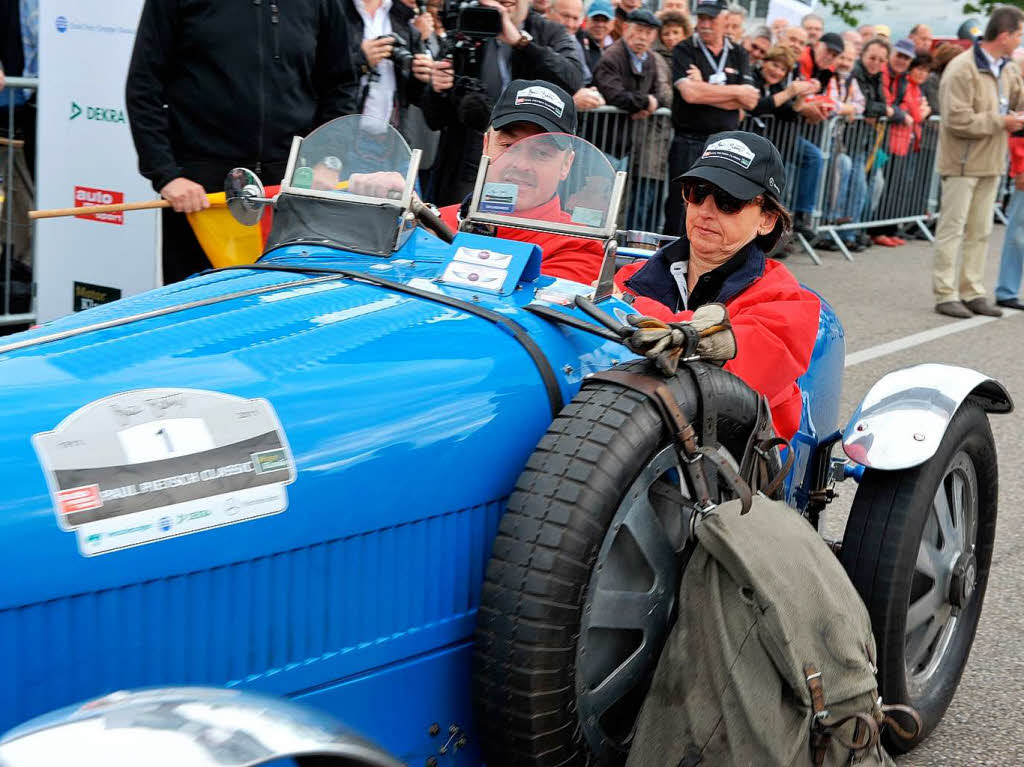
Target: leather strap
x,y
901,732
762,450
708,420
708,410
824,729
816,688
684,435
672,416
726,471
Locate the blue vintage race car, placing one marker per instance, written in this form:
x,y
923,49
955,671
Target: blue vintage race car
x,y
369,473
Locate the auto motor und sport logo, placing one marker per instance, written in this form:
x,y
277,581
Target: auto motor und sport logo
x,y
87,197
98,114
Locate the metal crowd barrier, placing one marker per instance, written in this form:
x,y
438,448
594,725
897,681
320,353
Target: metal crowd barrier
x,y
640,147
17,197
804,150
864,173
890,166
841,175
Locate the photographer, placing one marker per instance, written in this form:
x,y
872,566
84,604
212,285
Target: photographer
x,y
388,52
459,103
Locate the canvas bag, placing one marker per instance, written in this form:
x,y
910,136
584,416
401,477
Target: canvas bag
x,y
763,604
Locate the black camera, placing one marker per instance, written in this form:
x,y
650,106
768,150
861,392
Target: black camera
x,y
470,25
401,54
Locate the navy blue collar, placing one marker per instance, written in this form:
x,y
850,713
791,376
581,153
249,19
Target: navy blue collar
x,y
982,60
721,284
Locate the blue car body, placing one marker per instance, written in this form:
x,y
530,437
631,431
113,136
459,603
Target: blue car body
x,y
408,421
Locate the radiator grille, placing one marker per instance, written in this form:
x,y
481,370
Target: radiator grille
x,y
294,615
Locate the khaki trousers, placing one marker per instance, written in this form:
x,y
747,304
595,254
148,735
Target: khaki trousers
x,y
966,219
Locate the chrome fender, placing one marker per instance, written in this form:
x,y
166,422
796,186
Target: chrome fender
x,y
902,419
195,726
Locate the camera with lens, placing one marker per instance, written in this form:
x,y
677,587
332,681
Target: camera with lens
x,y
401,54
469,26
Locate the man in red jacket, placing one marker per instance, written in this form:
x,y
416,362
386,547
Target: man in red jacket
x,y
733,216
528,171
528,108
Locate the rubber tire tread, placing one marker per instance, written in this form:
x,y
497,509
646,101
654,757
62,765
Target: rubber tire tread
x,y
879,552
556,520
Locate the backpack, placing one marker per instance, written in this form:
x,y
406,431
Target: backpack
x,y
771,659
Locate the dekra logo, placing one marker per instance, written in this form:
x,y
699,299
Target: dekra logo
x,y
99,114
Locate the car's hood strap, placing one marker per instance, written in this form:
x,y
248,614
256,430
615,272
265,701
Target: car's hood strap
x,y
510,326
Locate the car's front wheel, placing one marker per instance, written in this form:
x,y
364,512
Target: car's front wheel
x,y
581,586
918,547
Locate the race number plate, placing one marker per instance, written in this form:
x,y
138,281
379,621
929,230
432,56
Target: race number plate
x,y
149,464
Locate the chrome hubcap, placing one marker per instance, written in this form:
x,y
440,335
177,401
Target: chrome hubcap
x,y
945,573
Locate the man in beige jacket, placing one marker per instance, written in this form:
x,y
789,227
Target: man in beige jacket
x,y
980,93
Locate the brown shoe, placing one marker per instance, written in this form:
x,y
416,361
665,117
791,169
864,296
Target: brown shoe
x,y
980,305
953,309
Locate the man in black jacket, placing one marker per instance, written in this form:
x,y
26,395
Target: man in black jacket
x,y
529,47
627,75
215,84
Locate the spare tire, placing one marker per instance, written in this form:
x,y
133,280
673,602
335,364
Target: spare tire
x,y
581,584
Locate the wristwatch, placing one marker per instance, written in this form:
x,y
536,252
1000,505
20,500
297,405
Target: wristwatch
x,y
525,38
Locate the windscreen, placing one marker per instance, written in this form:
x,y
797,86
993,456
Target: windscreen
x,y
329,156
552,179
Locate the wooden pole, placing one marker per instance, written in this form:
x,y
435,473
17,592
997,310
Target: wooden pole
x,y
215,198
91,209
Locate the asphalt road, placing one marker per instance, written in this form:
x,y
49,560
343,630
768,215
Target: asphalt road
x,y
885,296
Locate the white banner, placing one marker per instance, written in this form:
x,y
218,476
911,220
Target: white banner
x,y
86,157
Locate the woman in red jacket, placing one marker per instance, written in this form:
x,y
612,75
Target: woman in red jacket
x,y
733,217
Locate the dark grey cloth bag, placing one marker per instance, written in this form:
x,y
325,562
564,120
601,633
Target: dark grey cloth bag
x,y
763,605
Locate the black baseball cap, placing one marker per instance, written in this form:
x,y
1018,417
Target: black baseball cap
x,y
833,42
710,7
644,17
538,102
743,164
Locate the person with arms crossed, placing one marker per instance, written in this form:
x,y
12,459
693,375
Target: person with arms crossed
x,y
708,105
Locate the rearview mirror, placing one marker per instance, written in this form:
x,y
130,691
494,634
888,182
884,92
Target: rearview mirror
x,y
245,196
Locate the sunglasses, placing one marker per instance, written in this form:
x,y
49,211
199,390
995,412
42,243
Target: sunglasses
x,y
695,192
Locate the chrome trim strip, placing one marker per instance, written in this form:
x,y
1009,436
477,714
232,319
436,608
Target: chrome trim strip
x,y
71,333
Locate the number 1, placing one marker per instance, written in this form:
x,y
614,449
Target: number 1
x,y
162,432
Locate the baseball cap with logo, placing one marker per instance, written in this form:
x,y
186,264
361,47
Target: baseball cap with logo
x,y
743,164
601,8
538,102
711,7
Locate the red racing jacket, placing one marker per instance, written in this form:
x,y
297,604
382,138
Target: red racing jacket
x,y
774,318
571,258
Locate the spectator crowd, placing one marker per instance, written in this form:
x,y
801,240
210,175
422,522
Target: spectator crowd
x,y
676,74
